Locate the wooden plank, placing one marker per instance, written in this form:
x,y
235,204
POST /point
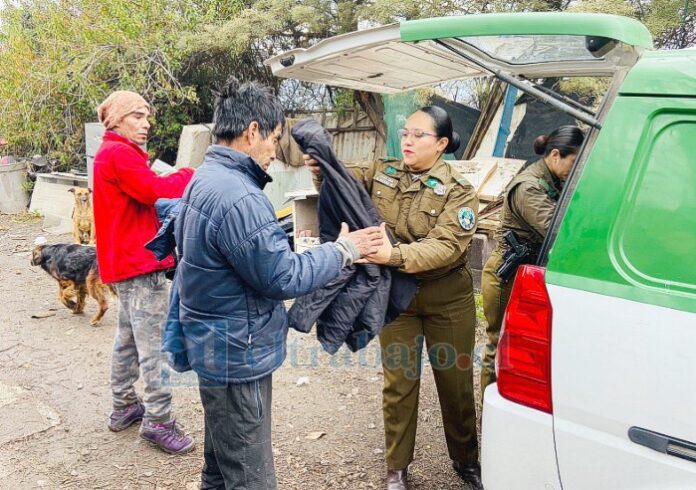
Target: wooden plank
x,y
495,186
490,210
488,175
485,118
477,171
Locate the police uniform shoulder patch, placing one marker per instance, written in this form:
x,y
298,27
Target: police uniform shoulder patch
x,y
386,180
432,182
467,218
390,170
550,191
388,159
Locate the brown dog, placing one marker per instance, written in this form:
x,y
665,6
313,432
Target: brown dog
x,y
75,269
83,217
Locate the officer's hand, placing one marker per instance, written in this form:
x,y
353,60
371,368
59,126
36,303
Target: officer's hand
x,y
367,241
383,253
311,164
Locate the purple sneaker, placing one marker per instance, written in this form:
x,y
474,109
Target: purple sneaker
x,y
167,435
122,419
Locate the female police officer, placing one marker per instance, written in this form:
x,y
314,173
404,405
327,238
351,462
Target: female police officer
x,y
431,211
529,202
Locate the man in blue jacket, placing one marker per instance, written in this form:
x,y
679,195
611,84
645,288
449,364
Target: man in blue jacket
x,y
236,267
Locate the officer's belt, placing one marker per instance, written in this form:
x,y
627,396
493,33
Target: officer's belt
x,y
446,273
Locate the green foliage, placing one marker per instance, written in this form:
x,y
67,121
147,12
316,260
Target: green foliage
x,y
343,101
478,299
588,89
28,186
659,16
386,11
60,58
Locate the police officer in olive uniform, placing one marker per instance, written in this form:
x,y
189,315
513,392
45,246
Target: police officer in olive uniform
x,y
528,206
431,211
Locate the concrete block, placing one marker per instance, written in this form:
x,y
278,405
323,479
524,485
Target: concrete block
x,y
13,196
94,132
193,143
52,199
479,250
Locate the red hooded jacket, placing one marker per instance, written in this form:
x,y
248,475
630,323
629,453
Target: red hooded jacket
x,y
125,191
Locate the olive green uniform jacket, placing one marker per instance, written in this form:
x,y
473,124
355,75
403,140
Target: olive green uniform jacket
x,y
529,203
423,215
433,219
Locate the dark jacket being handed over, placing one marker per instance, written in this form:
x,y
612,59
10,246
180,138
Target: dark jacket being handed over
x,y
236,267
353,308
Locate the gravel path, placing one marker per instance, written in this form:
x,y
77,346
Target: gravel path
x,y
54,402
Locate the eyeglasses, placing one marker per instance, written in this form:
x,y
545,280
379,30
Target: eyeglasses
x,y
416,133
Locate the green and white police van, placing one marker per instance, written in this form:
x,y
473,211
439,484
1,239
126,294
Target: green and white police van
x,y
597,360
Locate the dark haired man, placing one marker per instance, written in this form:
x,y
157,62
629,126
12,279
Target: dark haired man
x,y
236,268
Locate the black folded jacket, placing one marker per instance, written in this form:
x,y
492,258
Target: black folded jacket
x,y
365,297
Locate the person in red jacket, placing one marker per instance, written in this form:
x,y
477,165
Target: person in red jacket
x,y
125,191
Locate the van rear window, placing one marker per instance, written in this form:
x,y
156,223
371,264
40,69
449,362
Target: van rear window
x,y
655,240
518,50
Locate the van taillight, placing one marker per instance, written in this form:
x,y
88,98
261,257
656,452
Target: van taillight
x,y
524,349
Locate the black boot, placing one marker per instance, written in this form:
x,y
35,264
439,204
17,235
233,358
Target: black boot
x,y
396,479
469,473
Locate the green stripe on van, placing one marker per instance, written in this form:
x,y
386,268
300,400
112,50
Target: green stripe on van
x,y
624,29
630,228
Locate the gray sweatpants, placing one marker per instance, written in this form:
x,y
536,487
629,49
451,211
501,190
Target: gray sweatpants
x,y
238,454
142,310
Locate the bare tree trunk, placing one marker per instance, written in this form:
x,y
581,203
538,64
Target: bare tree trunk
x,y
372,104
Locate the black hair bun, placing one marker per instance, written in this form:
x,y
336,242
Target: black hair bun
x,y
454,143
230,88
540,144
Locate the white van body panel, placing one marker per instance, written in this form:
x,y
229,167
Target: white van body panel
x,y
517,449
617,364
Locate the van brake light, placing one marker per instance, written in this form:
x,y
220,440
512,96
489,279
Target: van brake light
x,y
524,349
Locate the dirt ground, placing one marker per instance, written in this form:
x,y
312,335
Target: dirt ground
x,y
55,400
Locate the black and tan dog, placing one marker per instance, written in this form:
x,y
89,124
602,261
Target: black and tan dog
x,y
75,269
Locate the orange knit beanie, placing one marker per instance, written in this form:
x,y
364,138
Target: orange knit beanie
x,y
118,105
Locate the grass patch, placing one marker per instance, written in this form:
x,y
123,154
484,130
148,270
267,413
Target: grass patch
x,y
478,298
27,217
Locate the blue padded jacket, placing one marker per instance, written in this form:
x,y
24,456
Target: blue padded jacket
x,y
236,267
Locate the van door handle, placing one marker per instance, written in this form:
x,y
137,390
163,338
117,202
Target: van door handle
x,y
663,443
